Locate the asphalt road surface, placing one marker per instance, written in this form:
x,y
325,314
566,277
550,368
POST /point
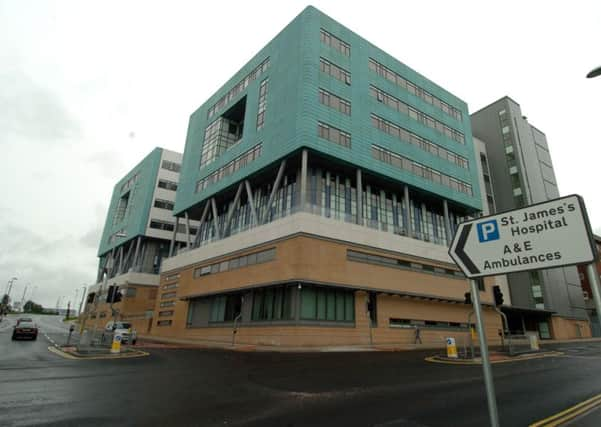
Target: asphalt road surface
x,y
194,387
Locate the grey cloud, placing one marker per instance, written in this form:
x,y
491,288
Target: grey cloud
x,y
33,112
55,266
109,163
92,238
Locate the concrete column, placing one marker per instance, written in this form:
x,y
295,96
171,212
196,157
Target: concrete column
x,y
303,179
173,237
407,201
137,253
187,230
425,233
382,214
447,223
394,209
359,219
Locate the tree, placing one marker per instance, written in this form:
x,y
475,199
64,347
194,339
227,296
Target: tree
x,y
4,307
32,307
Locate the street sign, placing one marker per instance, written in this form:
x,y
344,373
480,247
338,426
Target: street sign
x,y
545,235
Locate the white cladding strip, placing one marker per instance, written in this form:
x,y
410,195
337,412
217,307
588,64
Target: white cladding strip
x,y
132,277
310,224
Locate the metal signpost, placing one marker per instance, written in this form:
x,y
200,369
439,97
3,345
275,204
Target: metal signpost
x,y
552,234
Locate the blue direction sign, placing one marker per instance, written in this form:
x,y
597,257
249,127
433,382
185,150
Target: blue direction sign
x,y
546,235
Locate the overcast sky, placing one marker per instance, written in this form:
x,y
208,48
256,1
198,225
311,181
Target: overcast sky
x,y
87,90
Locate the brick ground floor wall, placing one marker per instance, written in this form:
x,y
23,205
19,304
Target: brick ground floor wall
x,y
563,328
359,333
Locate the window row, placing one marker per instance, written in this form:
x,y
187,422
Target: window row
x,y
398,105
166,313
168,295
171,166
262,104
335,102
163,204
334,135
232,264
420,170
167,304
170,286
158,224
238,163
407,136
413,89
413,323
327,304
273,303
335,71
130,182
334,42
164,323
221,135
279,303
243,84
167,185
400,263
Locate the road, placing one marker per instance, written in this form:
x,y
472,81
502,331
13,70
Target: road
x,y
194,387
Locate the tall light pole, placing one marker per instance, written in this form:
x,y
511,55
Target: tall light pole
x,y
23,297
83,295
9,286
594,73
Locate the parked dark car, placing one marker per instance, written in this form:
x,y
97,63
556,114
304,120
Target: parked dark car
x,y
25,330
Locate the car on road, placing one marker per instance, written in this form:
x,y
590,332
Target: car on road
x,y
24,319
25,329
125,329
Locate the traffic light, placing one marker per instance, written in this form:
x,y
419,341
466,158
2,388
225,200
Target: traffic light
x,y
468,298
110,294
496,290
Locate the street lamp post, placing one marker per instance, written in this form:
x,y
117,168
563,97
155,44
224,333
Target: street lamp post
x,y
83,296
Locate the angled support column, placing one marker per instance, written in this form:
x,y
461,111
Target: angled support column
x,y
274,190
249,195
119,270
230,212
173,237
359,219
127,256
137,253
203,217
447,223
215,218
424,223
188,244
303,179
408,212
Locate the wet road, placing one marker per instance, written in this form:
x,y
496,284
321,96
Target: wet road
x,y
220,388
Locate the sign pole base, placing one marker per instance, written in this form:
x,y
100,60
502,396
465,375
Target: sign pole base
x,y
486,367
593,278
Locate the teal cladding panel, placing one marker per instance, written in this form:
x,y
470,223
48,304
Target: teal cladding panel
x,y
293,110
140,201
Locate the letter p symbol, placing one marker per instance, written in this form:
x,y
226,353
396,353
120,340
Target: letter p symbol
x,y
488,231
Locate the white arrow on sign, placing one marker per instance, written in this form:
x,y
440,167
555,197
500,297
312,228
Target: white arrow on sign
x,y
546,235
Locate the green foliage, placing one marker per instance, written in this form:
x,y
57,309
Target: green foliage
x,y
32,307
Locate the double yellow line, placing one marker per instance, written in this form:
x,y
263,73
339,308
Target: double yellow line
x,y
570,413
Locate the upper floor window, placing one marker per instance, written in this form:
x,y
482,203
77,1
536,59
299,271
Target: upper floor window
x,y
167,185
172,166
335,71
333,41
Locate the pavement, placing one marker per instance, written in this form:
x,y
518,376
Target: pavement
x,y
207,387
